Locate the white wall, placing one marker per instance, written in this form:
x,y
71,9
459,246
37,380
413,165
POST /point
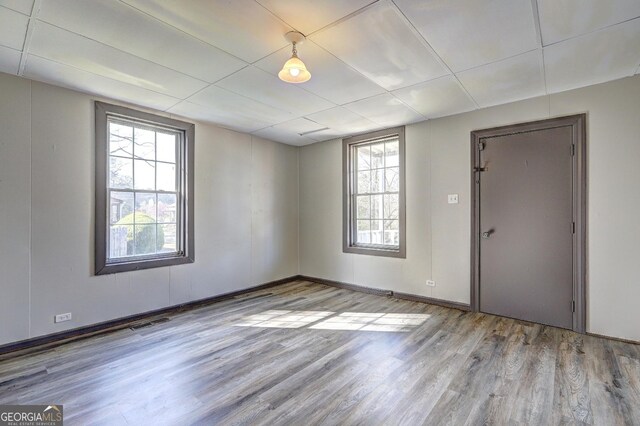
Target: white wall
x,y
246,213
438,234
15,203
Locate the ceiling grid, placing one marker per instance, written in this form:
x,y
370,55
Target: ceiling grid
x,y
374,64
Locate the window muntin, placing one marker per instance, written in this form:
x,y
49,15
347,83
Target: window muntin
x,y
144,190
374,211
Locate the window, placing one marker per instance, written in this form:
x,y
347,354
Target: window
x,y
374,193
144,190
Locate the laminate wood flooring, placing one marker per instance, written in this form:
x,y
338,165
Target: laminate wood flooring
x,y
304,353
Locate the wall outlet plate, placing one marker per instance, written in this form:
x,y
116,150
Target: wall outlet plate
x,y
431,283
62,317
452,198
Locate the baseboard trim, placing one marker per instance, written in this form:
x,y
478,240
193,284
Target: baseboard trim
x,y
432,301
390,293
48,341
617,339
51,340
421,299
346,286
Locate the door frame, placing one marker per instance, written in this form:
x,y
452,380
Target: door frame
x,y
579,172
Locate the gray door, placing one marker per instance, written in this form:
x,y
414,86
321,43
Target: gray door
x,y
526,226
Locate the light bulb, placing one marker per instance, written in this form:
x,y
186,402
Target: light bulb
x,y
294,71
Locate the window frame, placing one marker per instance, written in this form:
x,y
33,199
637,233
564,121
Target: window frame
x,y
184,191
349,173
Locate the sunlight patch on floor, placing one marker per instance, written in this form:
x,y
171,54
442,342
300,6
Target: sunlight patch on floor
x,y
283,319
326,320
372,322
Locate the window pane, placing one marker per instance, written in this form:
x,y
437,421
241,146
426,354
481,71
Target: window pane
x,y
376,207
145,144
120,173
145,239
145,174
166,147
364,207
167,238
392,153
391,206
377,155
392,180
364,232
376,232
391,232
377,180
167,208
373,209
120,140
145,208
364,182
120,241
121,207
146,224
364,158
166,177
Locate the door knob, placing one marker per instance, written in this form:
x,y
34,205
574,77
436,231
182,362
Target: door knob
x,y
487,234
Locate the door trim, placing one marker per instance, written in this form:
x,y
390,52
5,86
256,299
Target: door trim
x,y
578,125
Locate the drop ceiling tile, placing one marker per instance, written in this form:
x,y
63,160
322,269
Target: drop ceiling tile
x,y
593,58
436,98
308,16
284,136
327,135
469,33
242,28
380,44
342,121
505,81
13,28
219,117
22,6
9,60
264,87
300,125
227,108
385,110
58,45
331,78
560,20
118,25
63,75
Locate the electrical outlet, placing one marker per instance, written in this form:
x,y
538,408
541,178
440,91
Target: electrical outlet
x,y
62,317
431,283
452,198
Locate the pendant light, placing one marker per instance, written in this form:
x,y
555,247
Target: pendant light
x,y
294,70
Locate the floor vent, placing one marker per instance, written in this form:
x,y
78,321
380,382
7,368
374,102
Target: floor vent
x,y
149,323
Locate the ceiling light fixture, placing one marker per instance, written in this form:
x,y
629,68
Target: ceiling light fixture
x,y
294,70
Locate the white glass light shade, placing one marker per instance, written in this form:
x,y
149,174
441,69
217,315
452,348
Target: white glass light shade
x,y
294,71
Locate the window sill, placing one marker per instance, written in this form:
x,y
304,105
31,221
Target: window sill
x,y
137,265
375,252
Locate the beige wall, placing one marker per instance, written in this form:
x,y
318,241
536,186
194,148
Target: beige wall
x,y
246,228
248,202
438,234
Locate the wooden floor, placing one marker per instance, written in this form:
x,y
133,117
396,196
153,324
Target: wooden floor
x,y
304,353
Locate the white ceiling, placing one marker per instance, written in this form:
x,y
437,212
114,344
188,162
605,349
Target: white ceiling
x,y
374,64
